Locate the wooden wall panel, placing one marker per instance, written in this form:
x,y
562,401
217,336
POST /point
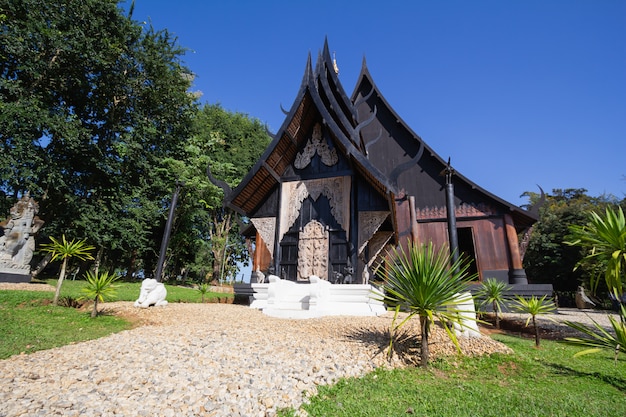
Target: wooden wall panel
x,y
490,243
262,257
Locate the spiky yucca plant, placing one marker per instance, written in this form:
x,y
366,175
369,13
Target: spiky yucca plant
x,y
99,288
604,238
534,307
492,291
204,288
62,249
425,283
598,338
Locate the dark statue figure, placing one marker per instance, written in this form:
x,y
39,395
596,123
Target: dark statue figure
x,y
17,242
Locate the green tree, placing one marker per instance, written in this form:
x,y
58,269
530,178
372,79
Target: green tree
x,y
92,103
426,283
492,292
534,307
100,287
206,239
64,250
548,259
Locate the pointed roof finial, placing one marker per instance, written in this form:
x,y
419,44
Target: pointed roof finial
x,y
335,67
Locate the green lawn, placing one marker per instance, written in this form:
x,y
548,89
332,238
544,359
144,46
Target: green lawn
x,y
531,382
129,291
29,322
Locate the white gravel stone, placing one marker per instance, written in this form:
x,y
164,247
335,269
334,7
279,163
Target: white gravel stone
x,y
202,359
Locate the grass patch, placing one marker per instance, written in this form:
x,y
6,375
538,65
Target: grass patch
x,y
129,291
530,382
30,323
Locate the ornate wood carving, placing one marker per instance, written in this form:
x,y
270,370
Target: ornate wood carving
x,y
313,246
464,210
266,226
369,222
316,144
337,190
376,245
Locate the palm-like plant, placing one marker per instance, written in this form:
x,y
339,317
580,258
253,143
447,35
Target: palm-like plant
x,y
534,307
492,292
204,288
64,250
605,239
598,338
99,288
425,283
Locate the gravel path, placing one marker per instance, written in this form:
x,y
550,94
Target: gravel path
x,y
203,360
200,360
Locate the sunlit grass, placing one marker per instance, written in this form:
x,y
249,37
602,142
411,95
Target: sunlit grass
x,y
29,322
129,291
530,382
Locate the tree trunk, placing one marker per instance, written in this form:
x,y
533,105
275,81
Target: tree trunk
x,y
55,301
96,264
536,332
495,311
425,352
131,266
94,312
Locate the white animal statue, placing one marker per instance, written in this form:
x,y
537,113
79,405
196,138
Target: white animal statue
x,y
152,293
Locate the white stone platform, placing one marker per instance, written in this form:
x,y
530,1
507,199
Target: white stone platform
x,y
316,298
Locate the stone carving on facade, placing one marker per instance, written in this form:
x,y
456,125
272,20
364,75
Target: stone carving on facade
x,y
464,210
313,245
266,226
369,222
316,144
377,244
17,243
337,190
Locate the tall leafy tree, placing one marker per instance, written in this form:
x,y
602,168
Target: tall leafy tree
x,y
548,259
92,103
206,240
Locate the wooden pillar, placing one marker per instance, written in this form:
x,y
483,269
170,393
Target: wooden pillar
x,y
516,271
262,257
413,219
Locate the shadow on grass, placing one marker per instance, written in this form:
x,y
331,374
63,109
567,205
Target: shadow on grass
x,y
617,382
406,345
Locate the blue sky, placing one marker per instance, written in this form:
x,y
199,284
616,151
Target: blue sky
x,y
517,93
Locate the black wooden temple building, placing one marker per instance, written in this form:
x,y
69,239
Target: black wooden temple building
x,y
345,177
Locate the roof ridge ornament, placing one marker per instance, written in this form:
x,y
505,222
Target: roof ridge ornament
x,y
335,67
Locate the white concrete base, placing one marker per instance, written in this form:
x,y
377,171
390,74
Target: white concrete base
x,y
316,298
464,306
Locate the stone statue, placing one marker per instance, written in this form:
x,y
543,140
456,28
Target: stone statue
x,y
17,242
152,293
